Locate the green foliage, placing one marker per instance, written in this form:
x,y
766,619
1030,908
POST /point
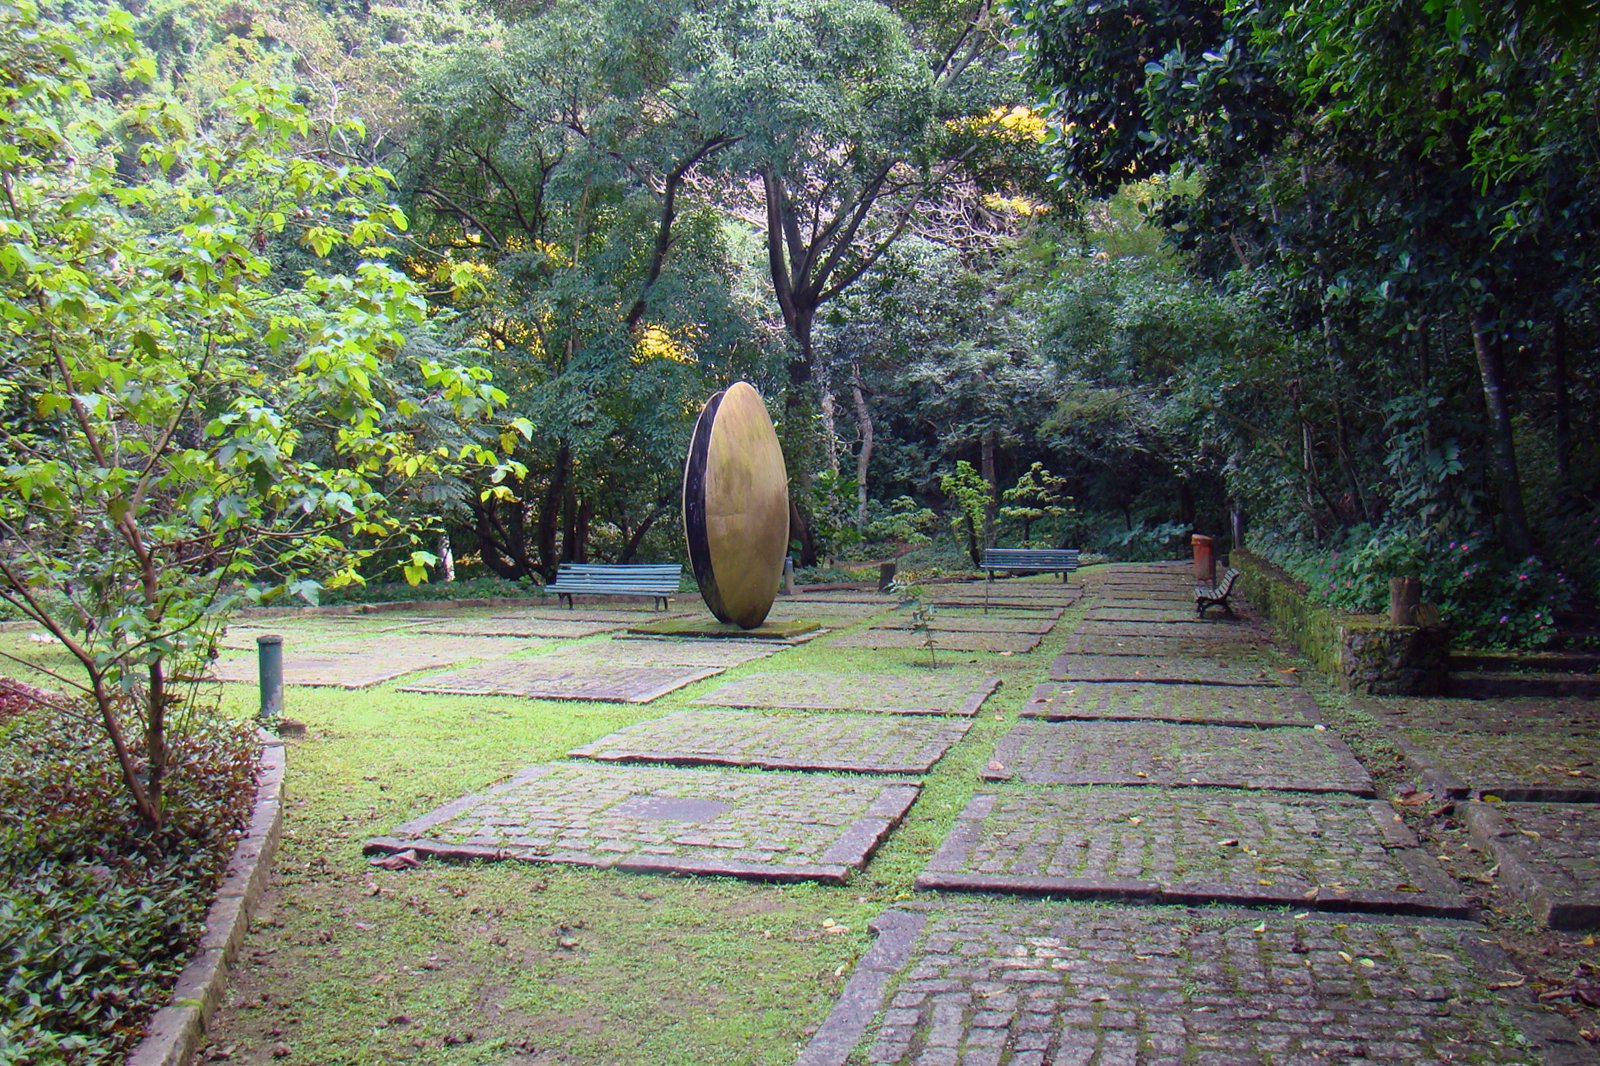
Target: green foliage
x,y
177,420
1040,503
1485,599
97,915
902,521
967,494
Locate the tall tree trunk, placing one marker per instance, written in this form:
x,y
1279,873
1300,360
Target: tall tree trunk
x,y
830,419
550,511
1491,371
502,538
991,503
864,456
1186,509
1563,398
797,445
580,530
447,558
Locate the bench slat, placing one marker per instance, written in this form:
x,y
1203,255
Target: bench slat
x,y
659,581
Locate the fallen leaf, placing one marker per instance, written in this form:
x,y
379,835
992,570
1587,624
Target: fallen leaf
x,y
400,860
1229,843
995,767
1136,820
1262,928
1347,957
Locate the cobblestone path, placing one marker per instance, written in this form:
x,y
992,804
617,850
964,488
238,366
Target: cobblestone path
x,y
1222,890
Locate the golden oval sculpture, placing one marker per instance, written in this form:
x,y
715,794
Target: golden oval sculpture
x,y
736,506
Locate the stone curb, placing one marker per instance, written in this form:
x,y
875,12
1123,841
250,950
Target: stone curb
x,y
175,1031
1560,902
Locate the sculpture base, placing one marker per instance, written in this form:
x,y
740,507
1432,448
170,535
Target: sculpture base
x,y
715,630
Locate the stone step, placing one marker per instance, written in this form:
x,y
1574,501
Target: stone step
x,y
1576,662
1499,684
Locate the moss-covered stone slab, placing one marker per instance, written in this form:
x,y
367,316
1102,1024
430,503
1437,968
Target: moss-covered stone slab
x,y
836,742
1554,767
531,628
679,652
943,640
1548,854
1218,630
1500,716
445,648
1176,754
327,671
1038,984
550,678
1259,705
934,692
1158,647
788,632
833,614
969,623
1180,612
721,823
1192,846
1168,669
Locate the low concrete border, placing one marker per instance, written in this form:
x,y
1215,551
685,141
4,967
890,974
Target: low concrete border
x,y
1554,897
175,1031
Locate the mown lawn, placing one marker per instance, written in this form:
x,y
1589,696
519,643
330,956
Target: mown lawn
x,y
512,962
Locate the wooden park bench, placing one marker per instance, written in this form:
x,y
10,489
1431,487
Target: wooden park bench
x,y
1032,560
659,581
1215,595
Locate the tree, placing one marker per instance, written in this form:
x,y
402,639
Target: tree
x,y
179,429
551,176
1387,177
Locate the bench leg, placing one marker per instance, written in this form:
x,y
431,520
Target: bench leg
x,y
566,598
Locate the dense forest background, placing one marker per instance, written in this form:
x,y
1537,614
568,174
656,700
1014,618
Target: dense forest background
x,y
1321,275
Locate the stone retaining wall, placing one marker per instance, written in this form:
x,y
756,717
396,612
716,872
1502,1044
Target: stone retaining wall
x,y
1362,652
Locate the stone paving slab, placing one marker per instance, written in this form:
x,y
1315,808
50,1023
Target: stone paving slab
x,y
1537,767
943,640
1548,854
1128,600
969,623
1145,614
549,677
299,634
833,615
1201,704
1522,715
1036,612
445,649
327,671
838,742
1008,592
1219,631
733,823
1037,984
1158,647
1177,755
1175,669
689,651
1191,846
938,692
555,628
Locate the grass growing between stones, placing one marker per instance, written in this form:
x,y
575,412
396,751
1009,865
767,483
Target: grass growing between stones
x,y
528,963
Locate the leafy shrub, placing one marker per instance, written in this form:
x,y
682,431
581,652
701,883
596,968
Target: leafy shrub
x,y
97,913
1487,600
400,592
1143,542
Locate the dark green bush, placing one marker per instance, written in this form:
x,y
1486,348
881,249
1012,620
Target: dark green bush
x,y
1487,600
97,915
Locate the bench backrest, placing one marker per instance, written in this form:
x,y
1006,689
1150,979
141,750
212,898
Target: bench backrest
x,y
1030,558
656,578
1223,587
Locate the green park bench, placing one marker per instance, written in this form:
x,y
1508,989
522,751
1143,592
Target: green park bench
x,y
1030,560
1215,595
658,581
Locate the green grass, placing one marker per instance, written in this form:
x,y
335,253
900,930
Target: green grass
x,y
521,962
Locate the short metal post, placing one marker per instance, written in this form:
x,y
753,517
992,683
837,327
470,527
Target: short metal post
x,y
788,575
269,651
